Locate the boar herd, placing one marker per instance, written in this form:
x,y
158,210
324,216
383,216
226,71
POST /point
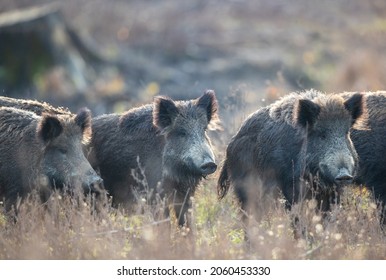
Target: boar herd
x,y
305,145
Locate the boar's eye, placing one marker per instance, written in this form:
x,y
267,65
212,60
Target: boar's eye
x,y
323,135
62,151
320,134
181,132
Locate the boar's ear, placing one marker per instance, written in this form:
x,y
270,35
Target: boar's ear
x,y
83,120
354,105
49,128
208,102
307,112
164,112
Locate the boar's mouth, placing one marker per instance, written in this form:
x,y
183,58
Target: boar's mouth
x,y
328,182
95,185
326,177
189,168
344,177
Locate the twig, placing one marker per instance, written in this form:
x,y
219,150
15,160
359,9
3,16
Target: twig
x,y
310,252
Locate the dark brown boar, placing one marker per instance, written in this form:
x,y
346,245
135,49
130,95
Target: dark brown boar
x,y
41,108
43,152
370,143
299,145
165,142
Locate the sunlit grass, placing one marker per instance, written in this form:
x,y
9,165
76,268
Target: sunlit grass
x,y
69,228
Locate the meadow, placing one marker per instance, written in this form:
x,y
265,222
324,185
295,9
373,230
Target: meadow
x,y
250,53
71,228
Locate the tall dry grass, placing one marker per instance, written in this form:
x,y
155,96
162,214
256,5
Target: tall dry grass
x,y
81,228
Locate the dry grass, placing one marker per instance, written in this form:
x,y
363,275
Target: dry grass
x,y
75,228
250,52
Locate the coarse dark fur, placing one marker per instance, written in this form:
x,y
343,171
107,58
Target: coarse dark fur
x,y
157,150
370,144
42,153
33,105
299,145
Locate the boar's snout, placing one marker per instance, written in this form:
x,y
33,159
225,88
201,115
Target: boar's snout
x,y
94,184
208,168
344,176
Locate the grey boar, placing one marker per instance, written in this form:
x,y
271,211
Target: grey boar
x,y
370,144
163,144
300,146
41,108
42,153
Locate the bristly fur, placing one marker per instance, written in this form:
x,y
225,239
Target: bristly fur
x,y
307,112
170,139
42,153
209,98
223,181
165,108
49,127
272,140
361,114
354,105
164,112
368,139
33,106
83,120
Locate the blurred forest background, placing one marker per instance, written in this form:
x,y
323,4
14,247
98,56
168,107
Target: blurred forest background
x,y
111,55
